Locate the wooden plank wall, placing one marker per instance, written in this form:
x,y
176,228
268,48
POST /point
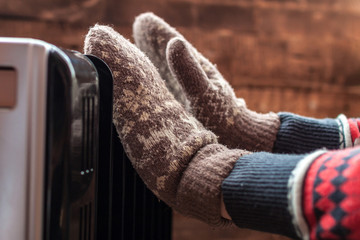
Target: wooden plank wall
x,y
301,56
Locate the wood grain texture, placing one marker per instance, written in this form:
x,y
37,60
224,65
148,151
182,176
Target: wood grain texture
x,y
190,229
301,56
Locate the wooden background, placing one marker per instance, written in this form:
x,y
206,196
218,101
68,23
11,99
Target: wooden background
x,y
301,56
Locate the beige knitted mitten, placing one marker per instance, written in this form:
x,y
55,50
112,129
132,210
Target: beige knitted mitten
x,y
213,101
178,159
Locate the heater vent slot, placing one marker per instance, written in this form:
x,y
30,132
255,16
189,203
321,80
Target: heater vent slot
x,y
88,147
137,214
85,231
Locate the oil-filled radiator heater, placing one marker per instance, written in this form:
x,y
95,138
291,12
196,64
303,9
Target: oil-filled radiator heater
x,y
63,172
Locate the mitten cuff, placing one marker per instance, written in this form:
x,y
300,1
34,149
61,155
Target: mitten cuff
x,y
199,191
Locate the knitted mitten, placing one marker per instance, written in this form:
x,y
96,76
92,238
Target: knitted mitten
x,y
214,104
217,107
177,158
314,196
152,39
212,99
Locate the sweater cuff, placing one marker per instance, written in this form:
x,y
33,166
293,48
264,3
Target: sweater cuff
x,y
256,192
299,134
313,196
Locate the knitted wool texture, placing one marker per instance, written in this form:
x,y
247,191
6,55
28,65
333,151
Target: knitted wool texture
x,y
216,106
213,101
177,158
152,38
312,196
